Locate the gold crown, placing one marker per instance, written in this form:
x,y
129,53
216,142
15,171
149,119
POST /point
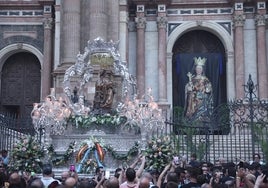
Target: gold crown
x,y
200,61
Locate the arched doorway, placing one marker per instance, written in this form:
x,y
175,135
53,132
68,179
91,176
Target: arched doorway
x,y
20,84
199,43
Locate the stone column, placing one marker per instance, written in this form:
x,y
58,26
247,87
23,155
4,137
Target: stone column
x,y
71,30
113,20
57,34
140,24
46,78
123,33
239,20
162,68
98,20
261,54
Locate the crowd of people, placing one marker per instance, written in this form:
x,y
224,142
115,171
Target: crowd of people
x,y
179,173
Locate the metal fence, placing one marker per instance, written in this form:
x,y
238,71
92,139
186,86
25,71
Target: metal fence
x,y
12,128
234,131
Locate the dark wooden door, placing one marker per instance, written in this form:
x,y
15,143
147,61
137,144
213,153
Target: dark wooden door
x,y
20,84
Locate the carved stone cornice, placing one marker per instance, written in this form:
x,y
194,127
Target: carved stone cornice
x,y
239,20
140,22
162,22
48,23
260,19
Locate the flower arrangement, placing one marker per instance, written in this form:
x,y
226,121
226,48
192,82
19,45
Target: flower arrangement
x,y
159,152
96,150
26,155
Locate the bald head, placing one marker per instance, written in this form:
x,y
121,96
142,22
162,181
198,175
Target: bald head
x,y
14,178
64,176
70,182
144,182
112,183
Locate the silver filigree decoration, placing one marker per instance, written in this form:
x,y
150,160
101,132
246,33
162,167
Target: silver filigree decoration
x,y
97,50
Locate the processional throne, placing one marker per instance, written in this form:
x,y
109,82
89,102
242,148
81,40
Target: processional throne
x,y
100,93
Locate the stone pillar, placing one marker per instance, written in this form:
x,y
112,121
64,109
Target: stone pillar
x,y
46,78
140,24
71,30
123,33
57,34
98,19
261,51
162,68
113,20
238,21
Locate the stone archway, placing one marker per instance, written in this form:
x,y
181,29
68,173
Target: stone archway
x,y
219,32
20,83
199,43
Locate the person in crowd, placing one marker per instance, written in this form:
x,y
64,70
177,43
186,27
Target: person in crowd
x,y
131,180
193,161
35,183
70,182
242,177
64,176
15,181
3,176
99,173
193,173
112,182
4,157
47,175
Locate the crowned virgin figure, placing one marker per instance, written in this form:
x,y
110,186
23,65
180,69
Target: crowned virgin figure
x,y
198,93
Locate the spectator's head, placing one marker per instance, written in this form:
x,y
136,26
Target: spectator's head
x,y
144,182
193,156
256,157
130,174
36,183
47,169
171,184
53,184
172,176
64,176
117,172
4,153
193,172
113,182
15,181
70,182
180,173
99,170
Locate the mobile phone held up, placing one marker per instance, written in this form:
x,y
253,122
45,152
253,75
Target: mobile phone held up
x,y
72,168
107,174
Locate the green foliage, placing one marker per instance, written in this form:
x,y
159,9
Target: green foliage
x,y
260,133
159,152
187,129
26,155
58,160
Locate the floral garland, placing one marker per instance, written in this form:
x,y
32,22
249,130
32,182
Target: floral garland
x,y
88,166
26,155
159,152
63,159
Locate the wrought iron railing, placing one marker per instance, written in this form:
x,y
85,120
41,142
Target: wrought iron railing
x,y
234,131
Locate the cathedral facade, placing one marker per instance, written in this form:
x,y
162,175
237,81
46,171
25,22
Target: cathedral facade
x,y
158,40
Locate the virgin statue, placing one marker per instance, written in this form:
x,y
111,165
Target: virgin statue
x,y
198,93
